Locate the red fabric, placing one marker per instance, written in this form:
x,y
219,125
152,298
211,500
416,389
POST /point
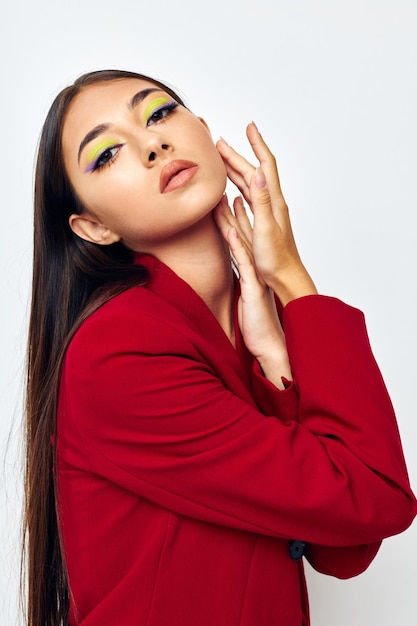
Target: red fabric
x,y
184,474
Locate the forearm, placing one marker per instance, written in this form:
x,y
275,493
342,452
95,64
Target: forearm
x,y
292,284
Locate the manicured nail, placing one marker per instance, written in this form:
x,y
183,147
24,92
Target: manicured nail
x,y
224,140
259,180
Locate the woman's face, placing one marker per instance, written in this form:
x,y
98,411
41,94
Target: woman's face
x,y
144,167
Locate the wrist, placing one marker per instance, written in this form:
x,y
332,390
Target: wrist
x,y
292,284
275,368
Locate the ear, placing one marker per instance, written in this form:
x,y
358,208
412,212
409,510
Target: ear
x,y
89,229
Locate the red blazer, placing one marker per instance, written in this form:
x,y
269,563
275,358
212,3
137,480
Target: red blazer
x,y
184,475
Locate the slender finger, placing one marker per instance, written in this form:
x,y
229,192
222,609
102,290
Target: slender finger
x,y
238,165
244,259
226,220
223,216
267,224
258,144
242,218
267,161
239,181
261,198
240,221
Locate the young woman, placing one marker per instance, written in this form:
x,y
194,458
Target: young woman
x,y
187,445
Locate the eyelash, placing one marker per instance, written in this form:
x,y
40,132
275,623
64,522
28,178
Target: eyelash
x,y
162,112
157,116
98,166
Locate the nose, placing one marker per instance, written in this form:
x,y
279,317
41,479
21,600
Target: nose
x,y
151,144
154,153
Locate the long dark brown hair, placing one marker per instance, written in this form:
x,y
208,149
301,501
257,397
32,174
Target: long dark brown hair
x,y
71,278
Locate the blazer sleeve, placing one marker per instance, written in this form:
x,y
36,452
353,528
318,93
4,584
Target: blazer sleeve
x,y
332,363
142,407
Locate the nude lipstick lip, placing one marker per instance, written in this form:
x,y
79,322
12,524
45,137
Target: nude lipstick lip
x,y
175,174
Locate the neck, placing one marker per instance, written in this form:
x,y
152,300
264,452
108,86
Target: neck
x,y
201,257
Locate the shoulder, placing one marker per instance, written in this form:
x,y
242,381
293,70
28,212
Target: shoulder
x,y
136,319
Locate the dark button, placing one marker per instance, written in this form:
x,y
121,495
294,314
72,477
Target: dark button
x,y
297,549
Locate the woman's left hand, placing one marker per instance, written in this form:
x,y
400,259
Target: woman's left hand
x,y
274,250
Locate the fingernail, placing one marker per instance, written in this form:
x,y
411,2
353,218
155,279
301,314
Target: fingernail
x,y
234,232
255,127
259,178
224,140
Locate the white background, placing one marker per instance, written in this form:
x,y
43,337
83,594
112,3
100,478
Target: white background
x,y
333,88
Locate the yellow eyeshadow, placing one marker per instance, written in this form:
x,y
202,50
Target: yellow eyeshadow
x,y
154,104
100,147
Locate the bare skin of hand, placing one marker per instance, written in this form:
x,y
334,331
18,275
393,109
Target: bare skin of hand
x,y
257,314
266,253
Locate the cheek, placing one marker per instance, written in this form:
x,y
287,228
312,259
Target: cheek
x,y
210,156
218,164
113,198
219,172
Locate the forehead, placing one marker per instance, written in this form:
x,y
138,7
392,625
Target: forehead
x,y
98,104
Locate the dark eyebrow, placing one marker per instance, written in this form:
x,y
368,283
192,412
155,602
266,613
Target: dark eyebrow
x,y
141,95
101,128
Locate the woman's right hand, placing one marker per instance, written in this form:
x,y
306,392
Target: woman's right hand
x,y
258,319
